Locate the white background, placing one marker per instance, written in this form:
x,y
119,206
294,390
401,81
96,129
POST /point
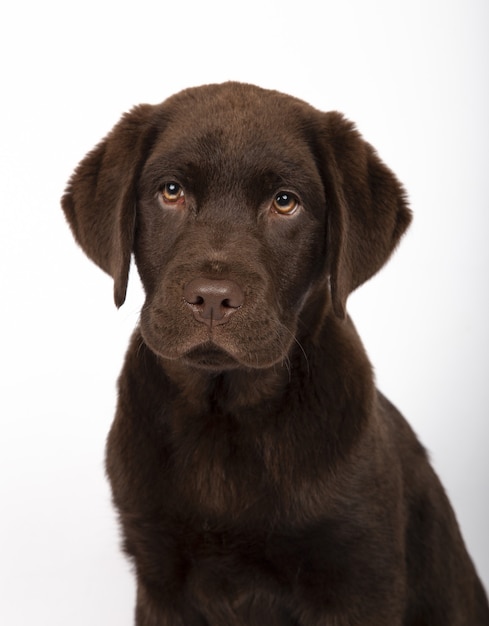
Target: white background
x,y
413,75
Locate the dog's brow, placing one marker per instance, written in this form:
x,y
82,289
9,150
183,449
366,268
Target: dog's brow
x,y
271,177
165,167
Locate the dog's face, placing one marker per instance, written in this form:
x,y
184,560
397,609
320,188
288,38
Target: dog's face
x,y
239,204
230,232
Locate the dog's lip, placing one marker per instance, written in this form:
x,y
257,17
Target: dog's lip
x,y
210,356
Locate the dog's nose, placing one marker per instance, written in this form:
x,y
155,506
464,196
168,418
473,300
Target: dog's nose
x,y
213,301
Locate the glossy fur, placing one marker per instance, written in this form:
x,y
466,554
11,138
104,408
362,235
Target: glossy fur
x,y
260,477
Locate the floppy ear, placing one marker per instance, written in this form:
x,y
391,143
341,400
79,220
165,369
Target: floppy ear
x,y
100,200
367,208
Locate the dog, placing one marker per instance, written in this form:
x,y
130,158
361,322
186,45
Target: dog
x,y
259,475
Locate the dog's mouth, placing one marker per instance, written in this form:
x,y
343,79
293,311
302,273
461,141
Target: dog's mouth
x,y
250,344
210,357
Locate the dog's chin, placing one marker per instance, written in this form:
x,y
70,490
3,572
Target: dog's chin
x,y
210,357
214,354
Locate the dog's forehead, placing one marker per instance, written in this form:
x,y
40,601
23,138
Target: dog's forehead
x,y
238,107
235,126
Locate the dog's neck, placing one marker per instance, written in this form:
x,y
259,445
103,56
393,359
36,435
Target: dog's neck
x,y
229,391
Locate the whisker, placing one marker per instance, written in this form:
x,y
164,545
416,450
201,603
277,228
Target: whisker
x,y
300,346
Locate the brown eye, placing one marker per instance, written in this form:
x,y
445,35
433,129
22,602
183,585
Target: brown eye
x,y
285,203
172,193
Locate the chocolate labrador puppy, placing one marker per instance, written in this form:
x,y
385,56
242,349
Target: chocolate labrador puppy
x,y
259,475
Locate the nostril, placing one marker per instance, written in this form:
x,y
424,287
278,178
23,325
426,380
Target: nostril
x,y
213,301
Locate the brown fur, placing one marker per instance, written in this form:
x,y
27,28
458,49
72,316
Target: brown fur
x,y
259,476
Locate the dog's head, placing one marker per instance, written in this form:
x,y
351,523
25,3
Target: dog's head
x,y
239,205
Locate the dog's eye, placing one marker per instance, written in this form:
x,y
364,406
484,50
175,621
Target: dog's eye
x,y
172,193
285,203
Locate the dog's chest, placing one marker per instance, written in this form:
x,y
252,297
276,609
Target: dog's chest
x,y
220,470
256,469
260,575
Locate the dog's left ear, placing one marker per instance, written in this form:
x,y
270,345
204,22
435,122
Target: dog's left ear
x,y
366,204
100,200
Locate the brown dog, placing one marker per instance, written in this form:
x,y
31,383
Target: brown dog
x,y
259,475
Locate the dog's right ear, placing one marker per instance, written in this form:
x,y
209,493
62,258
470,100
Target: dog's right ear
x,y
100,199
